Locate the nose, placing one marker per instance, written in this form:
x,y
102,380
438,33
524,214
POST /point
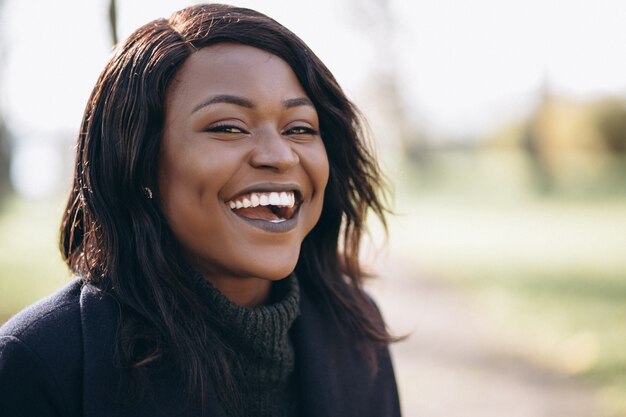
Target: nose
x,y
274,151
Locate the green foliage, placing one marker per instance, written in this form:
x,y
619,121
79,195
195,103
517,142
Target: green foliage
x,y
30,263
5,152
611,121
548,270
570,319
573,146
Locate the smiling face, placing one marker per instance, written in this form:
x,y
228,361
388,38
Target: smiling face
x,y
243,168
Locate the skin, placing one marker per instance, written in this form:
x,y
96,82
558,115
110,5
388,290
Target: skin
x,y
236,118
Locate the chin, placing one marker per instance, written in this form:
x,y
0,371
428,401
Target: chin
x,y
270,267
275,273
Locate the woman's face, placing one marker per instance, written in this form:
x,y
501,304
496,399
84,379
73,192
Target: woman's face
x,y
243,168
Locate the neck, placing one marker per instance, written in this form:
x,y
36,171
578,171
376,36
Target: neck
x,y
245,292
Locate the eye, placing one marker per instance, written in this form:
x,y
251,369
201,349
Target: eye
x,y
225,128
301,130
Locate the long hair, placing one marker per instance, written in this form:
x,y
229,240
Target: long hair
x,y
117,239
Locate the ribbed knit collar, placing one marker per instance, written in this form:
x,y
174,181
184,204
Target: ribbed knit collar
x,y
261,326
260,354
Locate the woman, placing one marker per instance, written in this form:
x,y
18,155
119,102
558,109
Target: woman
x,y
219,199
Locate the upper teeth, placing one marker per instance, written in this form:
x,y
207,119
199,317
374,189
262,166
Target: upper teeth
x,y
283,199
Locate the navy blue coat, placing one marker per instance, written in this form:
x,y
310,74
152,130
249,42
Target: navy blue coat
x,y
56,359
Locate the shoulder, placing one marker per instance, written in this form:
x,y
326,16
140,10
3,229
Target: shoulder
x,y
57,327
40,354
53,316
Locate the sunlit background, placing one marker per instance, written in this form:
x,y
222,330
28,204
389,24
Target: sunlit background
x,y
502,127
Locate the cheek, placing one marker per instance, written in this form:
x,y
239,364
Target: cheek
x,y
177,178
196,171
178,199
321,169
187,184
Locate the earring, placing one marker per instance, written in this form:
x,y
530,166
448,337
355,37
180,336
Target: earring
x,y
148,192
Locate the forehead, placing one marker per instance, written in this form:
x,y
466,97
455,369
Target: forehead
x,y
231,68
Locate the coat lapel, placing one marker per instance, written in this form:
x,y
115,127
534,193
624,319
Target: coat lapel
x,y
334,378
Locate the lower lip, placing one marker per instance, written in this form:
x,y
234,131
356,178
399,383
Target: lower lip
x,y
271,227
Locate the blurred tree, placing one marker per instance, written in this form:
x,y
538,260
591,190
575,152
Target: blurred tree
x,y
5,162
576,145
377,22
540,171
5,148
611,122
534,143
113,21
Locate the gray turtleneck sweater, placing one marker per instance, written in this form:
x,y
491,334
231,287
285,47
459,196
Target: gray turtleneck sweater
x,y
260,354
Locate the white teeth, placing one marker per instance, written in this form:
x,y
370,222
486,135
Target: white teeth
x,y
281,199
274,199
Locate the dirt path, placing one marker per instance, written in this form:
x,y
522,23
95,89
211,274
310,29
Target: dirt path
x,y
454,364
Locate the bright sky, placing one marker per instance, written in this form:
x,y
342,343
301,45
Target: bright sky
x,y
465,66
477,62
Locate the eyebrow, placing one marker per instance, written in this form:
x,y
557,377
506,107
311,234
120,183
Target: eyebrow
x,y
300,101
244,102
224,98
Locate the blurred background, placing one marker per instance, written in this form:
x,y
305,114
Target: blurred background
x,y
502,128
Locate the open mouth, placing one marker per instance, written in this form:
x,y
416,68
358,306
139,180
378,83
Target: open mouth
x,y
275,207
